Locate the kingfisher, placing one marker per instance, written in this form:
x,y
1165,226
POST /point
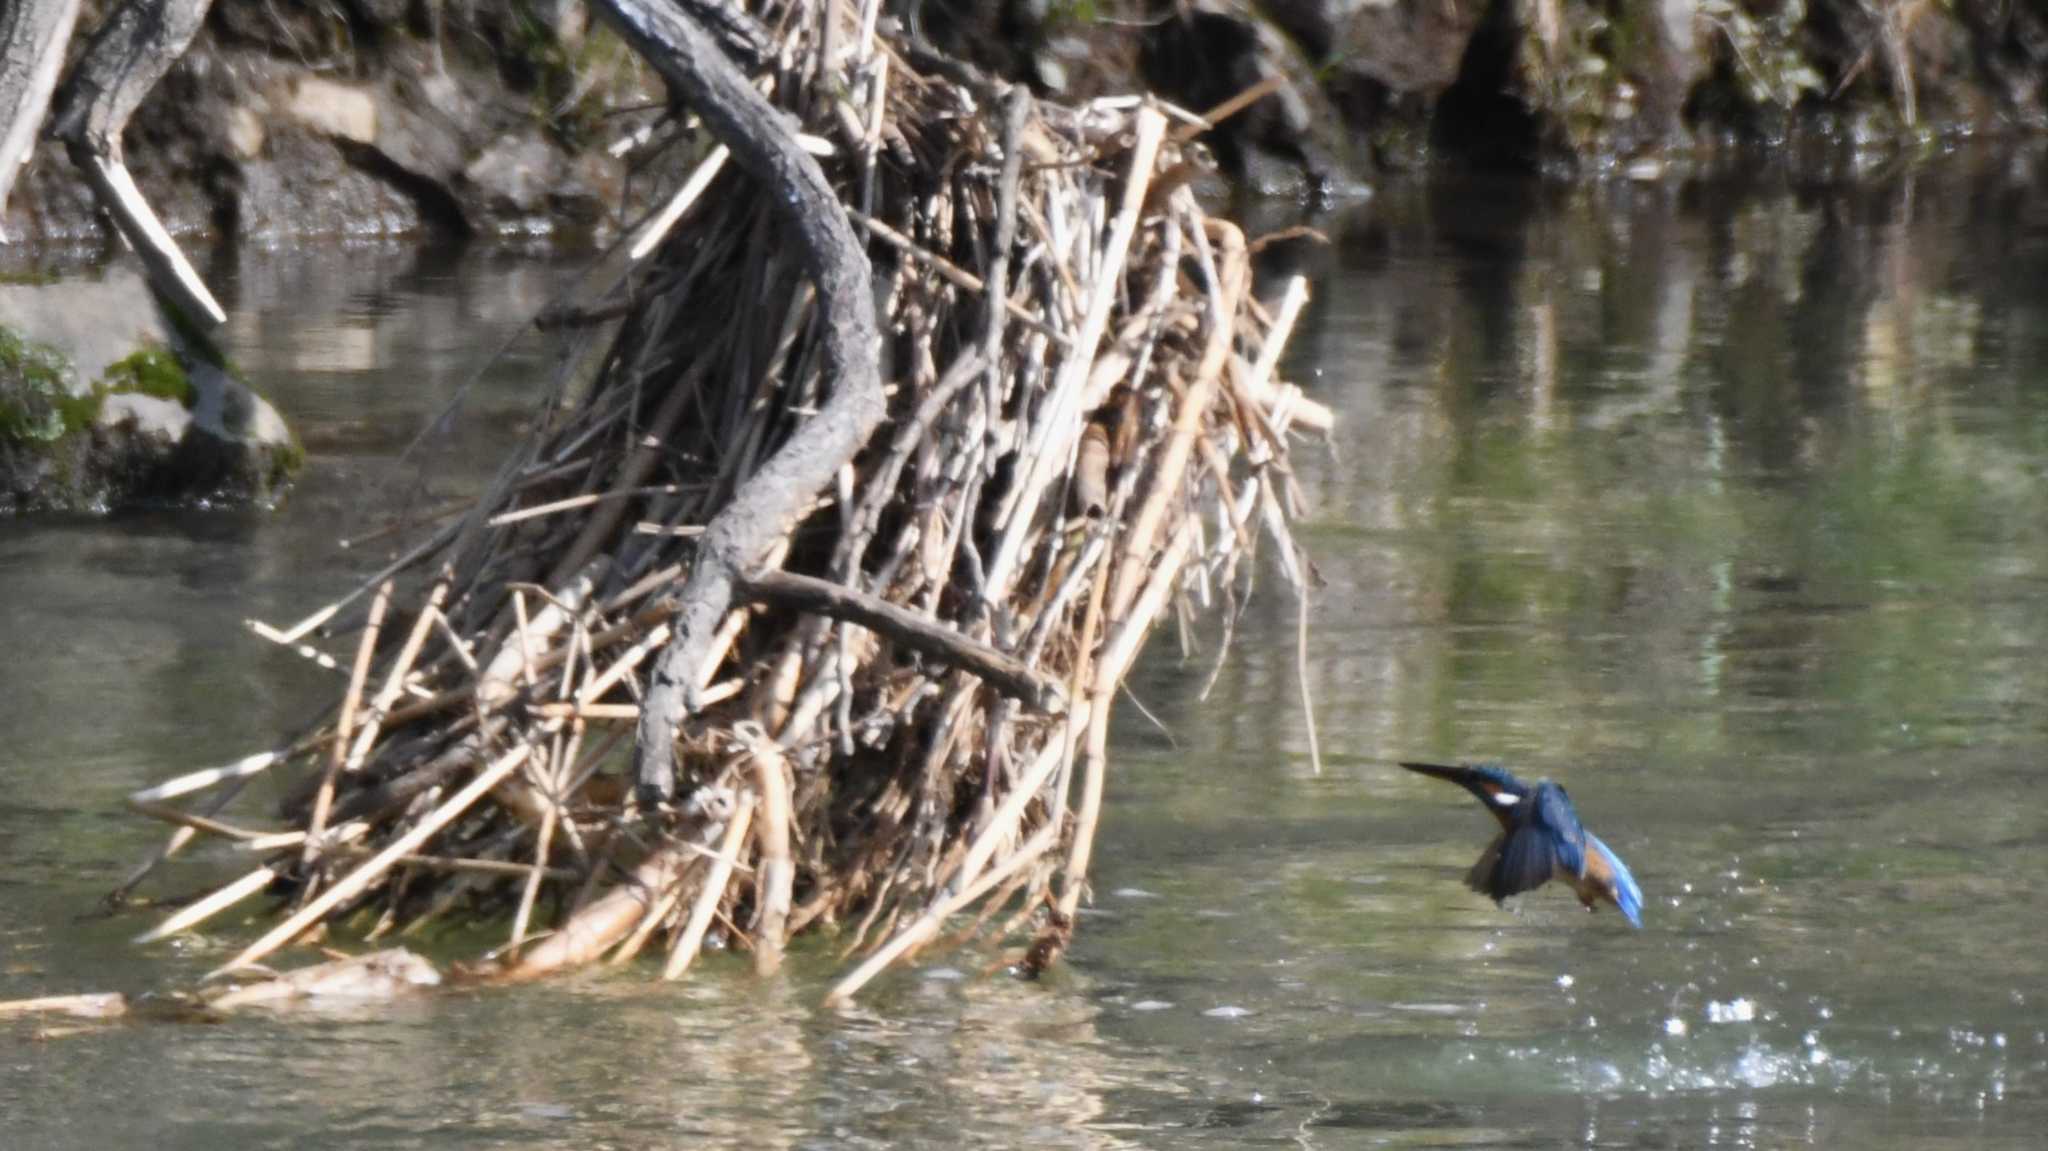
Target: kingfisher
x,y
1540,838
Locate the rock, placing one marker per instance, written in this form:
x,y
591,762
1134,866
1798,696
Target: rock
x,y
1291,142
1405,47
103,405
278,124
343,111
245,132
303,185
514,175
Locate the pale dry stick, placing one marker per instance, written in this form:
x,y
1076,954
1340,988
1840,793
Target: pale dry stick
x,y
622,667
305,651
657,229
394,683
713,891
234,778
1293,299
456,643
776,873
323,799
209,777
587,711
398,526
500,867
574,503
1117,653
199,823
543,843
954,274
1276,523
1016,116
515,657
1208,120
657,914
877,70
520,632
91,1005
597,925
170,272
1011,811
298,631
927,925
632,475
359,880
1308,707
196,913
1225,291
1060,426
277,841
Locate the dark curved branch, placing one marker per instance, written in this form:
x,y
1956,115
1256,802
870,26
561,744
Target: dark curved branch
x,y
1006,673
766,506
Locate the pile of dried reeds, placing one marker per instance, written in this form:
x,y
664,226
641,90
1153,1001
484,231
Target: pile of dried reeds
x,y
871,677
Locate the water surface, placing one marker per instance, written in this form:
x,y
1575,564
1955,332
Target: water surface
x,y
1726,507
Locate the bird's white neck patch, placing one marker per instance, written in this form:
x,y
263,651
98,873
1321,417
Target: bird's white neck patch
x,y
1504,799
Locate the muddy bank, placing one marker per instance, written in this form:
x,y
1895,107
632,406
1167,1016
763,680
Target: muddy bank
x,y
382,117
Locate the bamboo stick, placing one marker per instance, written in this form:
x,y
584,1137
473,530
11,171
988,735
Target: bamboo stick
x,y
692,939
324,798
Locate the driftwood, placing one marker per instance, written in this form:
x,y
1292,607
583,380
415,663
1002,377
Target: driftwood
x,y
807,607
133,48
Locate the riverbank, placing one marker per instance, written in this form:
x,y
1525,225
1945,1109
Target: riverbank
x,y
524,123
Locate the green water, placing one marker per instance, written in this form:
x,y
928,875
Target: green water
x,y
1727,508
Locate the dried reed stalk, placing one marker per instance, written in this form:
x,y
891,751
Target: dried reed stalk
x,y
870,678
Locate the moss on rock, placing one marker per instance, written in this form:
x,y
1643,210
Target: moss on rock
x,y
38,402
149,372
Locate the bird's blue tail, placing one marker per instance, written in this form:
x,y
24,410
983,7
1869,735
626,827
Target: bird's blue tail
x,y
1627,895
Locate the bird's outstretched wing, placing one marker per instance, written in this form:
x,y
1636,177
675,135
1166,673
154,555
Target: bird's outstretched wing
x,y
1519,860
1551,808
1541,839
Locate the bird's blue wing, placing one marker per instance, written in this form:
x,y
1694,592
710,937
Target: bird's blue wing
x,y
1526,859
1551,809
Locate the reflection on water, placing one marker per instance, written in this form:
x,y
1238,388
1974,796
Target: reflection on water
x,y
1725,507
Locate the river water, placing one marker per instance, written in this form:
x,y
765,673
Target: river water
x,y
1727,507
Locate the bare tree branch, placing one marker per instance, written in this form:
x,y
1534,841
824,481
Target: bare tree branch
x,y
766,506
133,50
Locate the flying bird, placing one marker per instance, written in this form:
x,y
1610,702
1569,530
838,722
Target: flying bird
x,y
1540,839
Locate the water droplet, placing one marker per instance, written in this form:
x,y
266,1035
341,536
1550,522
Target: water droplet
x,y
1733,1011
1227,1012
